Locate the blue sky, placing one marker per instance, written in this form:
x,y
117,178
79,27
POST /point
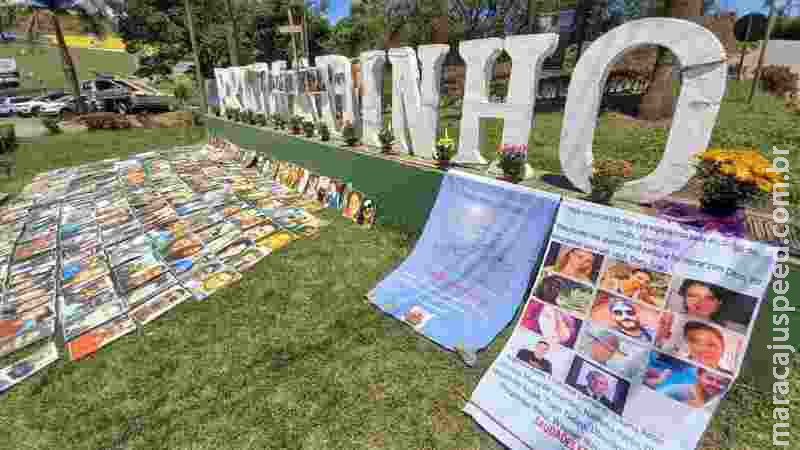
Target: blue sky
x,y
341,8
338,9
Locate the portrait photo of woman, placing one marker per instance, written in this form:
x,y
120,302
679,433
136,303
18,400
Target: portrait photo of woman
x,y
573,262
712,303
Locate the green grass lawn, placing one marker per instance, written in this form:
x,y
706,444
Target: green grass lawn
x,y
46,64
293,357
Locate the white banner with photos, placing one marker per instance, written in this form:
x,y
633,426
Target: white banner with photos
x,y
634,330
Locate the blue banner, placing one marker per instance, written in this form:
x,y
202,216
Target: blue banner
x,y
468,273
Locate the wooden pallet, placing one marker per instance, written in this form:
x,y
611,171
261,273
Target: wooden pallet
x,y
759,227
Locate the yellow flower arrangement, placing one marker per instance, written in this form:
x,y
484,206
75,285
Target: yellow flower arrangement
x,y
732,178
747,166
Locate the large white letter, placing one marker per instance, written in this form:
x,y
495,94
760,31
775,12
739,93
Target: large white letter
x,y
337,78
704,75
372,68
527,54
415,105
279,100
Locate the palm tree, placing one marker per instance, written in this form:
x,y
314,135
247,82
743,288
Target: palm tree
x,y
94,13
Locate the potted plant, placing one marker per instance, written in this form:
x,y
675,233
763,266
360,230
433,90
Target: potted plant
x,y
324,132
295,124
277,121
512,161
731,179
387,139
445,150
349,134
608,175
308,128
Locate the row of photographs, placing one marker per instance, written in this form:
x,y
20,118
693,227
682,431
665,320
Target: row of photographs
x,y
573,276
621,377
326,191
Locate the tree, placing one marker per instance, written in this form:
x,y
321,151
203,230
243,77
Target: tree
x,y
658,101
95,13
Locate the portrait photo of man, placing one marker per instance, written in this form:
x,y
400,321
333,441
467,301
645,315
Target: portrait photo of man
x,y
536,357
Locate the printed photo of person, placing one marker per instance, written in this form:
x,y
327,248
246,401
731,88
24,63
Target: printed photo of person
x,y
622,356
536,357
322,188
565,293
552,323
311,186
634,282
333,197
712,303
694,386
352,205
366,215
624,316
704,343
598,384
417,317
573,262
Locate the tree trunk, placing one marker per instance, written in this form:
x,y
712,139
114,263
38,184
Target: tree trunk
x,y
440,30
657,102
69,66
234,36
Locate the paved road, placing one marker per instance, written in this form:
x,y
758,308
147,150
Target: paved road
x,y
26,127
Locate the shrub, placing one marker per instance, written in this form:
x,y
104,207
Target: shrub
x,y
215,110
349,134
8,138
182,90
308,128
386,137
51,124
779,80
106,121
261,119
278,121
324,132
296,124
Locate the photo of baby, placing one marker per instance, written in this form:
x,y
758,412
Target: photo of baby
x,y
550,322
634,282
573,262
417,317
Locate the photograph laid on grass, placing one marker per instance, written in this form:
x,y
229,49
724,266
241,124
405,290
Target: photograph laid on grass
x,y
470,269
644,358
117,243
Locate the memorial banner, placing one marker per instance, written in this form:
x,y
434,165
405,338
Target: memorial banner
x,y
468,273
634,331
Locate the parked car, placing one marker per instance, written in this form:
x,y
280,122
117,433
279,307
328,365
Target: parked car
x,y
58,107
32,106
6,107
123,95
13,102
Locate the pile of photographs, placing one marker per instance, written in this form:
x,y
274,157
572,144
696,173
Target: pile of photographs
x,y
100,250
